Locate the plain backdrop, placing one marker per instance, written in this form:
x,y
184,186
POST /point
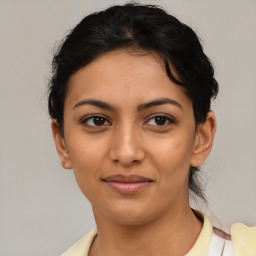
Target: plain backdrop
x,y
42,211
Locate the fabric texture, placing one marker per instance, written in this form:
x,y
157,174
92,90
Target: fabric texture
x,y
82,246
211,242
244,239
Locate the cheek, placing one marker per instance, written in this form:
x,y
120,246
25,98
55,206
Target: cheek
x,y
172,152
171,158
173,170
87,158
85,151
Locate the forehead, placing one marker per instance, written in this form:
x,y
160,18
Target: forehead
x,y
124,76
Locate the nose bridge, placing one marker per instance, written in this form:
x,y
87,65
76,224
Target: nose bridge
x,y
126,146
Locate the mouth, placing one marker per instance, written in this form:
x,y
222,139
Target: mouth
x,y
127,185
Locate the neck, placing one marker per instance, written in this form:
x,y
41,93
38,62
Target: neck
x,y
173,234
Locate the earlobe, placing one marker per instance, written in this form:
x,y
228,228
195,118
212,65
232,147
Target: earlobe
x,y
204,140
61,146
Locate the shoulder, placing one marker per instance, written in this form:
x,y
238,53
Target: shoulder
x,y
241,242
82,246
244,239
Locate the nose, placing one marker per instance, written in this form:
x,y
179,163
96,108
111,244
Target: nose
x,y
126,146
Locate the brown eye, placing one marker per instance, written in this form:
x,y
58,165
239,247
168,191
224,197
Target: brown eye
x,y
160,120
95,121
99,121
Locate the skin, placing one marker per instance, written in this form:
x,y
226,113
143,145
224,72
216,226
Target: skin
x,y
156,220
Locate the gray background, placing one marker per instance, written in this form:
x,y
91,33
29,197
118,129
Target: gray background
x,y
42,211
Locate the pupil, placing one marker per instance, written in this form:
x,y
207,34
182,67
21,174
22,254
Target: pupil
x,y
98,121
160,120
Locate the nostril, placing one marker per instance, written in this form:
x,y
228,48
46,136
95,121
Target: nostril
x,y
126,159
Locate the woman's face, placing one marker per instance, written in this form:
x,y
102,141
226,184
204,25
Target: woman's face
x,y
130,136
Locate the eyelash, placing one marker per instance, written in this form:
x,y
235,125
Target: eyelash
x,y
93,117
167,120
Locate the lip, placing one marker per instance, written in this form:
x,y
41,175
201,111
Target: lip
x,y
127,185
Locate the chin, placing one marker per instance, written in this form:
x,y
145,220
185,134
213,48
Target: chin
x,y
130,213
132,220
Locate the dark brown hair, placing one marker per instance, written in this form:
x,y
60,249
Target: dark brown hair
x,y
136,26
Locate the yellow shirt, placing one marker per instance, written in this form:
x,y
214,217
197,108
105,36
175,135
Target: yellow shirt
x,y
209,242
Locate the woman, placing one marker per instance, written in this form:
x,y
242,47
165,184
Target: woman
x,y
130,101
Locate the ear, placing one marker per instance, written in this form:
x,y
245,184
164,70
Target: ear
x,y
61,146
204,140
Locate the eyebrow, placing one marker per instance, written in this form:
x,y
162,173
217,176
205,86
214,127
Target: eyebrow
x,y
158,102
141,107
96,103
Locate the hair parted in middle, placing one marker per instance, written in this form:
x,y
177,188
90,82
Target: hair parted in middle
x,y
137,27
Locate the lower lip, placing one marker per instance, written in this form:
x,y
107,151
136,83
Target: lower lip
x,y
128,188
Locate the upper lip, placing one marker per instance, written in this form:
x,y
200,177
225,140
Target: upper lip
x,y
126,179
